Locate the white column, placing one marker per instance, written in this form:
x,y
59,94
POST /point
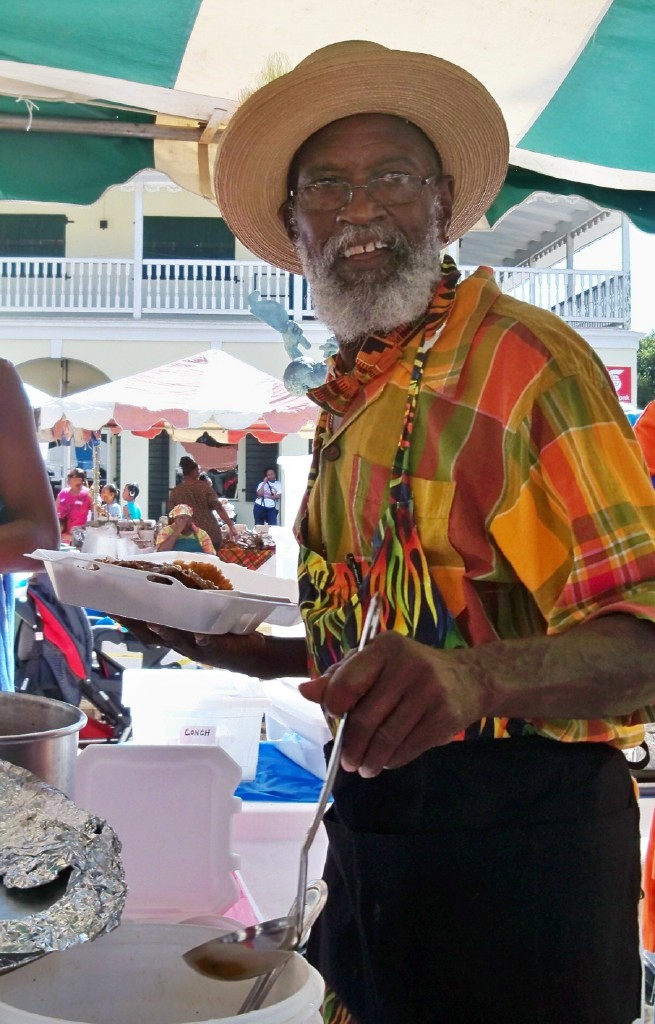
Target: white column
x,y
625,267
137,282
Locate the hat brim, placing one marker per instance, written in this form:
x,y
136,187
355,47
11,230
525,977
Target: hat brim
x,y
452,108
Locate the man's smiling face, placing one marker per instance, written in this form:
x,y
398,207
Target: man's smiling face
x,y
367,255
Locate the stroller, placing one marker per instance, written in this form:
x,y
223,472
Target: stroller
x,y
60,654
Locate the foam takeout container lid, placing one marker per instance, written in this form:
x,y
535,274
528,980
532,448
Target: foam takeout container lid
x,y
171,807
88,582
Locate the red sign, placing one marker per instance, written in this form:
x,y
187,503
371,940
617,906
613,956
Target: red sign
x,y
622,381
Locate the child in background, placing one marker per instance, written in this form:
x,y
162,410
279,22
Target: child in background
x,y
109,502
130,509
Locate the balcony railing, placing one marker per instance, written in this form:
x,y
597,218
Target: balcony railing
x,y
160,288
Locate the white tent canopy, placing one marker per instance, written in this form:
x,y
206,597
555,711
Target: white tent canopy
x,y
572,79
35,396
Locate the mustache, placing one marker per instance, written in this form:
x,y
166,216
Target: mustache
x,y
352,234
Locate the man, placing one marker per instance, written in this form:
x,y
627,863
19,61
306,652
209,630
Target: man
x,y
471,465
200,495
28,519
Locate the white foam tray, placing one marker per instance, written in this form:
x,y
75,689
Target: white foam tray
x,y
80,579
172,808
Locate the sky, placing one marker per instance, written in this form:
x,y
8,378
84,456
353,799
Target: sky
x,y
605,254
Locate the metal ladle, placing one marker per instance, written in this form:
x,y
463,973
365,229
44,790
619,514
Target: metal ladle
x,y
315,897
261,948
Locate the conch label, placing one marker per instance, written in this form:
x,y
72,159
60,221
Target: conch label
x,y
198,734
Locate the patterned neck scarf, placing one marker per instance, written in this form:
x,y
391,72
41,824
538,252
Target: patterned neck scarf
x,y
380,351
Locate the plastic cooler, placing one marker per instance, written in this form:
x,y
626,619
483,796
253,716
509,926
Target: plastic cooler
x,y
295,726
208,707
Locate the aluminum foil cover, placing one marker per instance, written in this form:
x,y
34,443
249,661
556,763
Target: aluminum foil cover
x,y
42,834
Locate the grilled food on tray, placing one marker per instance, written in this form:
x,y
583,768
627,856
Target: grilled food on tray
x,y
195,575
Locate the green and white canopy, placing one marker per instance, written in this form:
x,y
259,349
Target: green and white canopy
x,y
149,83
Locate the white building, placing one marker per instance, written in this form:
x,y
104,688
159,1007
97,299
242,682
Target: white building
x,y
150,273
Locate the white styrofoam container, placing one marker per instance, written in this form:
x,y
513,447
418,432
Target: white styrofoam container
x,y
295,725
171,807
80,579
209,707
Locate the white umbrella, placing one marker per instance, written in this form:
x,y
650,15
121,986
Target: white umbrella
x,y
210,391
35,396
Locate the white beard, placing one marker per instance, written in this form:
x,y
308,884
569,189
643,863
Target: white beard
x,y
373,302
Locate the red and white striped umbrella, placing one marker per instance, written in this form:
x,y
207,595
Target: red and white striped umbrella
x,y
211,391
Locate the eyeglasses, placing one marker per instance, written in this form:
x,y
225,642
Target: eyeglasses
x,y
388,190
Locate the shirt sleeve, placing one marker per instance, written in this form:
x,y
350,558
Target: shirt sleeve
x,y
205,542
577,520
165,532
645,433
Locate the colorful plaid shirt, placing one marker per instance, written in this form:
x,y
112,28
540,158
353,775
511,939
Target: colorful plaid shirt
x,y
531,496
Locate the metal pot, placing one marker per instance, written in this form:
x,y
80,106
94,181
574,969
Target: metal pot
x,y
41,735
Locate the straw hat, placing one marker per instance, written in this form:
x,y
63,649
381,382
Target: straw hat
x,y
454,110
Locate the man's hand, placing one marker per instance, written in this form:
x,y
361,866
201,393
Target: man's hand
x,y
253,654
232,651
402,698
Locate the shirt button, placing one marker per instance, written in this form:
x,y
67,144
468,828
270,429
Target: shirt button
x,y
332,452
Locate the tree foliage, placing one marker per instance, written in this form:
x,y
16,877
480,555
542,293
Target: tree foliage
x,y
646,370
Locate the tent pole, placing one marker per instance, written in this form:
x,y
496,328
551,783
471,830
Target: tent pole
x,y
77,126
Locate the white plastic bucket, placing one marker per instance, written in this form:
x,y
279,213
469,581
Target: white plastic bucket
x,y
137,974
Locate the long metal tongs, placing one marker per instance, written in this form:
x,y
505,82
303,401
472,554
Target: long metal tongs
x,y
369,630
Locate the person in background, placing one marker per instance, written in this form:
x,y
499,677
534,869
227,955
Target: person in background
x,y
268,495
74,503
473,469
109,504
182,534
131,510
28,518
202,499
644,430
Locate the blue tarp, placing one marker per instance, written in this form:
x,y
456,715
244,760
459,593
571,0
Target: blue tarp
x,y
279,779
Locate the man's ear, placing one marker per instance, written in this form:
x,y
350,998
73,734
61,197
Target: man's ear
x,y
285,213
444,192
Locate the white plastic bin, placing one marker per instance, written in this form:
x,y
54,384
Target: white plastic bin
x,y
136,974
207,708
295,726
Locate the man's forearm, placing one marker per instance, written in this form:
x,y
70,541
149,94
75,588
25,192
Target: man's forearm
x,y
285,656
254,654
602,667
